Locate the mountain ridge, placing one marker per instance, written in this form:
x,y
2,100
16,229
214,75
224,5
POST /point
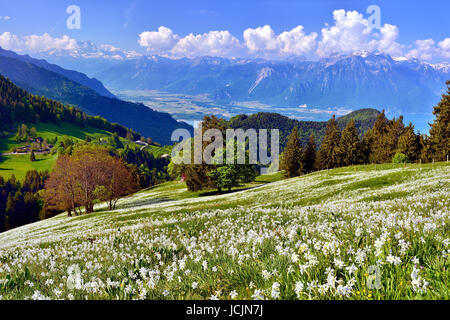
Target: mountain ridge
x,y
359,80
76,76
40,81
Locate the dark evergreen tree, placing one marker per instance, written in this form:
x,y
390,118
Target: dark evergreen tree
x,y
426,154
350,145
330,155
440,129
32,156
395,130
409,144
292,160
309,155
375,140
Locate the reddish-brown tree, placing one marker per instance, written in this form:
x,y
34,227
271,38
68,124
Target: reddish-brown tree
x,y
119,183
61,189
89,174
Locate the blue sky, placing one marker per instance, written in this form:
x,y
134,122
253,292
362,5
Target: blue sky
x,y
123,23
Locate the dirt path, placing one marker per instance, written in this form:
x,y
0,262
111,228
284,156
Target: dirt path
x,y
23,153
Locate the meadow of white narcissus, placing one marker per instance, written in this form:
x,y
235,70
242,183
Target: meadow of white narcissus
x,y
353,233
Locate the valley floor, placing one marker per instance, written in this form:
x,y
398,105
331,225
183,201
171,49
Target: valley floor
x,y
364,232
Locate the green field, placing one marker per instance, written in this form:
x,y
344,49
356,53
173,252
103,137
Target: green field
x,y
159,150
363,232
20,164
52,130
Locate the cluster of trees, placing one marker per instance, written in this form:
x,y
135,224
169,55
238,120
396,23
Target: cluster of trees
x,y
24,133
218,176
20,202
388,140
147,169
89,174
18,106
83,174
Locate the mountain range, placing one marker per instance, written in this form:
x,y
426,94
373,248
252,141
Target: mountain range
x,y
355,81
42,78
294,87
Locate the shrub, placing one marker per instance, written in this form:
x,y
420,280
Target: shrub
x,y
400,158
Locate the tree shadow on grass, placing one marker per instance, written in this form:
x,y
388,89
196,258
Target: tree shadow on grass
x,y
138,203
217,193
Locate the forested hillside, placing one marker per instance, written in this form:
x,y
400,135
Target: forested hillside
x,y
364,120
79,77
17,106
44,82
37,130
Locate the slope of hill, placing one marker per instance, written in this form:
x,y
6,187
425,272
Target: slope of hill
x,y
19,164
78,77
364,120
40,81
314,237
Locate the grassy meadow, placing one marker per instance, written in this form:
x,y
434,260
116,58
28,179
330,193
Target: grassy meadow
x,y
20,164
363,232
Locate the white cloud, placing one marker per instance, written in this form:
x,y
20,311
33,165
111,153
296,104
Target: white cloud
x,y
5,18
260,39
424,50
351,32
296,42
36,43
166,42
444,46
293,42
427,49
213,43
9,41
46,44
158,41
387,43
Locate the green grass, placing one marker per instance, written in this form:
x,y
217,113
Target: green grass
x,y
176,190
20,164
159,150
167,243
52,130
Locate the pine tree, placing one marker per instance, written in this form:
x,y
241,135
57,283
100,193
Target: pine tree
x,y
292,158
350,145
409,144
309,156
426,155
330,155
375,139
440,129
395,130
32,156
382,140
